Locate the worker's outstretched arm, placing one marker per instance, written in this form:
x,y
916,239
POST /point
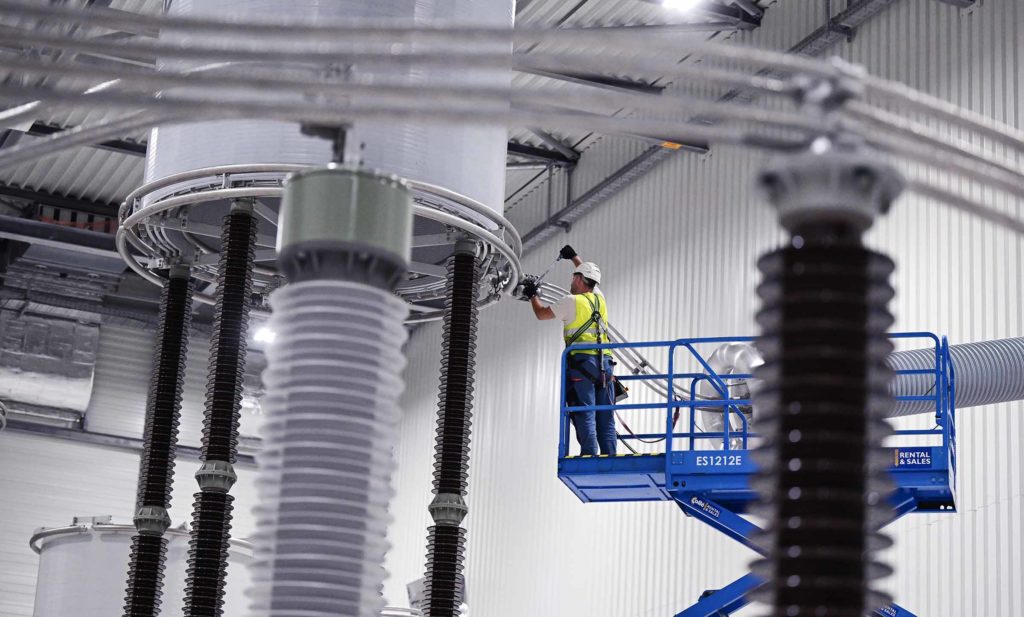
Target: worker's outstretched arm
x,y
542,312
568,252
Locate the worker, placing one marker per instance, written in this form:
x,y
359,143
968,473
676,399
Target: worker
x,y
589,372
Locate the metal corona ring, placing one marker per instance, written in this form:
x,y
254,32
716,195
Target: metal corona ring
x,y
499,244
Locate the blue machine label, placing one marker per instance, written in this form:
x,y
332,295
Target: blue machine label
x,y
888,610
912,457
719,460
705,506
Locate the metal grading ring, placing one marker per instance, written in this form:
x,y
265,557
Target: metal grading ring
x,y
500,245
35,542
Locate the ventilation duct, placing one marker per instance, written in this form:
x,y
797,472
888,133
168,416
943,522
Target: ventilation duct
x,y
986,373
47,362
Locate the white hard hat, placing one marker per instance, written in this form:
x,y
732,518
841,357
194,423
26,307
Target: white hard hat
x,y
589,270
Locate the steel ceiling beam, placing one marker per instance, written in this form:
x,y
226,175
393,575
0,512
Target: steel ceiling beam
x,y
740,14
603,191
553,142
52,235
59,201
548,157
739,17
855,15
668,29
600,81
121,146
841,27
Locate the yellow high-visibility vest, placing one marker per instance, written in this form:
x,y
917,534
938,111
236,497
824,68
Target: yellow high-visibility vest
x,y
586,303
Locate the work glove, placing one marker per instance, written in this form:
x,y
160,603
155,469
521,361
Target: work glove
x,y
529,289
567,252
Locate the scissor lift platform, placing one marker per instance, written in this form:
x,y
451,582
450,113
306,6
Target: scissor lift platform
x,y
713,485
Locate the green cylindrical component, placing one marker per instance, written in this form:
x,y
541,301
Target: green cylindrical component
x,y
350,209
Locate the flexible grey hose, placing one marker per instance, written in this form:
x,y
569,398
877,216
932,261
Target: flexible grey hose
x,y
986,373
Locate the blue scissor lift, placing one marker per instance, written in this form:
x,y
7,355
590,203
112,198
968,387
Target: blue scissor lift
x,y
713,484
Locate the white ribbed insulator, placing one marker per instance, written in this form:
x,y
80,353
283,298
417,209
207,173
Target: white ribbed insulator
x,y
333,382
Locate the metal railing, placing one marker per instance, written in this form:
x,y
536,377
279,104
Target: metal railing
x,y
677,397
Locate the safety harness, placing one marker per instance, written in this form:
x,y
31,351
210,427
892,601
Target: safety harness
x,y
595,319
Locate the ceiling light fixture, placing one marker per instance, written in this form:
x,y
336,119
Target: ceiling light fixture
x,y
680,5
264,335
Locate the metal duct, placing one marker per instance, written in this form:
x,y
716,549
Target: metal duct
x,y
985,373
47,362
729,359
467,159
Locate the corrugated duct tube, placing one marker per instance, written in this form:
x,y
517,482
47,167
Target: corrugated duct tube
x,y
333,382
986,373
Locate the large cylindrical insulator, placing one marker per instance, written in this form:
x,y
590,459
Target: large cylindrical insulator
x,y
156,469
211,518
333,382
408,149
825,389
446,541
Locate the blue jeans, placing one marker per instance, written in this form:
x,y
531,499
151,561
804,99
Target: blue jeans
x,y
594,429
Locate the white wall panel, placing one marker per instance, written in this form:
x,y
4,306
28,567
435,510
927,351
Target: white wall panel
x,y
46,482
123,366
678,251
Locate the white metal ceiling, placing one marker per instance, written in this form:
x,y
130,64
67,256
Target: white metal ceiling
x,y
105,176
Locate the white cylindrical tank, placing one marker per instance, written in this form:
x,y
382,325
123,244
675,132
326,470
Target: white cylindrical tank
x,y
82,572
466,159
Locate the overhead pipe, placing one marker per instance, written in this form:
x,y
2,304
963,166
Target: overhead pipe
x,y
333,383
211,516
156,469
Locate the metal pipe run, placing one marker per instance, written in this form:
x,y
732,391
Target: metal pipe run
x,y
156,469
211,517
443,581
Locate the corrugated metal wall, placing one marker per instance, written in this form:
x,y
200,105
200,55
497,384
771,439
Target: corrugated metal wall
x,y
678,251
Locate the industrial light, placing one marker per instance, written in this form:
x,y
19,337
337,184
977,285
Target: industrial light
x,y
680,5
264,335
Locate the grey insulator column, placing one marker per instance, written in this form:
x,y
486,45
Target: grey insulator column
x,y
211,515
156,469
825,385
333,382
986,373
443,582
